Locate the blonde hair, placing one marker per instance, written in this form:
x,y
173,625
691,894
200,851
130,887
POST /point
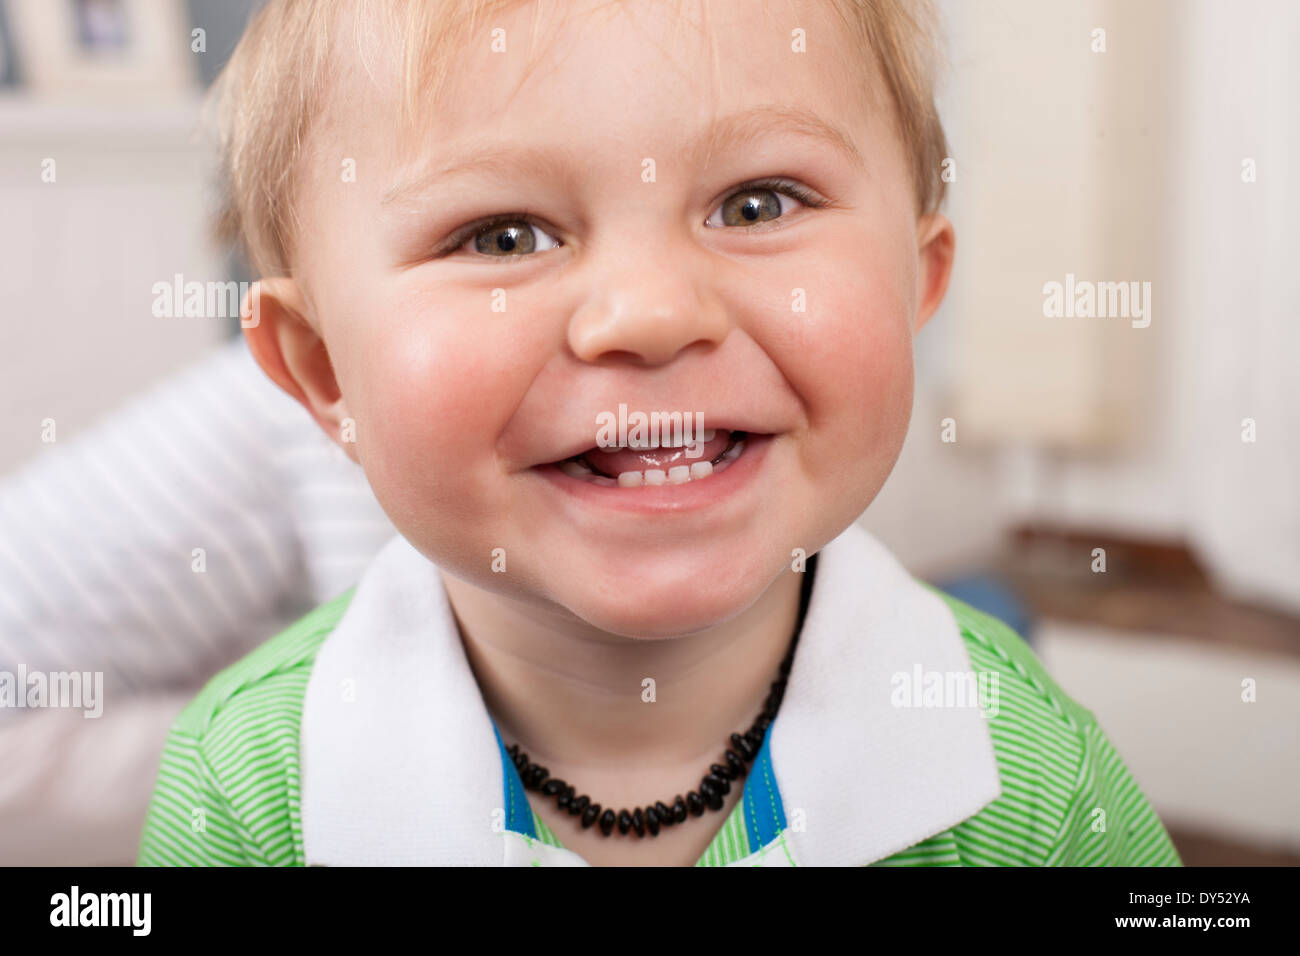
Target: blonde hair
x,y
277,81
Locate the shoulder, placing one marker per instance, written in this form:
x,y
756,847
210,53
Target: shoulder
x,y
227,791
1038,739
994,648
271,678
1067,797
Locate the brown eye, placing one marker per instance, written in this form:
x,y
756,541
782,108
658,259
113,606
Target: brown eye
x,y
511,237
751,206
763,201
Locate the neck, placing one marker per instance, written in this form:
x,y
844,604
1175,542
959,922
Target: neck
x,y
571,695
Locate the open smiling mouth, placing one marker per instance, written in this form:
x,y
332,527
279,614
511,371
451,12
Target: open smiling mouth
x,y
664,464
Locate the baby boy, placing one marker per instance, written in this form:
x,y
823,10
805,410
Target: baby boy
x,y
489,230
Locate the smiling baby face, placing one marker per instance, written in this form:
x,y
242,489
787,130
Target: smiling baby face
x,y
668,211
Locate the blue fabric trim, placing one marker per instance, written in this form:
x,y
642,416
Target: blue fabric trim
x,y
764,812
519,813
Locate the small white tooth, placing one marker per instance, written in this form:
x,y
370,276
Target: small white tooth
x,y
679,475
734,452
708,434
701,469
630,479
575,470
655,476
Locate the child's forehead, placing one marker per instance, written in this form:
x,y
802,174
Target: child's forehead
x,y
529,73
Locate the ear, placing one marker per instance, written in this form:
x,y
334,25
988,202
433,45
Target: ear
x,y
936,244
293,355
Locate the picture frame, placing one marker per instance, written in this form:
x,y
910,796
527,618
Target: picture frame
x,y
9,72
102,49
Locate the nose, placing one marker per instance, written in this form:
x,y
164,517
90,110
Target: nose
x,y
647,310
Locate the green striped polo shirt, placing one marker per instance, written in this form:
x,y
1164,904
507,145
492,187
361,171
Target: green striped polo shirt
x,y
228,788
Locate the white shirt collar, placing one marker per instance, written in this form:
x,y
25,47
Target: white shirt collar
x,y
400,763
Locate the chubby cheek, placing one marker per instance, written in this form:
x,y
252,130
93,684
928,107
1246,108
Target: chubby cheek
x,y
855,374
876,367
429,400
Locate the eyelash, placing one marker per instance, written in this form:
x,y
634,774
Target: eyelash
x,y
776,184
781,185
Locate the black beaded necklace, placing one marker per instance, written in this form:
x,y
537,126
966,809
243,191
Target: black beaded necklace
x,y
715,784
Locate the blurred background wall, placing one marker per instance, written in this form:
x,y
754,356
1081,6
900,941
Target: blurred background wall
x,y
1161,150
128,205
1164,158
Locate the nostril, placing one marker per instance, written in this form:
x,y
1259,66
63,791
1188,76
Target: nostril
x,y
623,355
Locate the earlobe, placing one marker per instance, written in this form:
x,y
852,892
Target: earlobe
x,y
292,353
936,246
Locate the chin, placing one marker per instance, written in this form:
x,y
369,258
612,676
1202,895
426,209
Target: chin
x,y
664,600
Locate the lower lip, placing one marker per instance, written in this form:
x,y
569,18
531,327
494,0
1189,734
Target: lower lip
x,y
666,499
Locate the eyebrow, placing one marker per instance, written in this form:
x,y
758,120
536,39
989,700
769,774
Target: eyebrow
x,y
735,131
741,129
